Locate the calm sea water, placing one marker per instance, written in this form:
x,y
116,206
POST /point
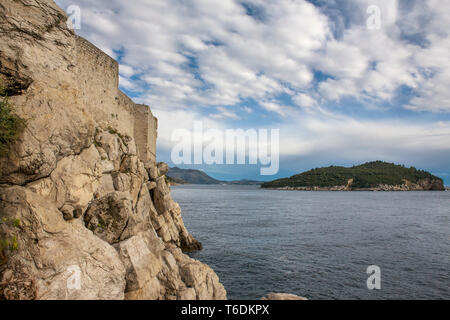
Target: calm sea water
x,y
319,244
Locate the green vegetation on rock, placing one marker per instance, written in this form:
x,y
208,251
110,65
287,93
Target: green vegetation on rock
x,y
11,125
8,241
7,247
368,175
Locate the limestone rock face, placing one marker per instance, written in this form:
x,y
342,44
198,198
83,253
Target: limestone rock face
x,y
167,217
156,270
45,257
85,210
432,184
37,53
421,185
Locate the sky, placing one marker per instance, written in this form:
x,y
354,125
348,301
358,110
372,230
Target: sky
x,y
344,81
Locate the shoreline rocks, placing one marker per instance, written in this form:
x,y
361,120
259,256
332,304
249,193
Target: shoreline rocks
x,y
423,185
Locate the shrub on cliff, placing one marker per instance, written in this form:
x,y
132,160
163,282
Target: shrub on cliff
x,y
11,125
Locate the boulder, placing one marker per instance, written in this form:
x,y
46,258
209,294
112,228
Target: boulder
x,y
108,217
163,168
151,185
76,179
70,212
105,186
153,172
122,181
140,263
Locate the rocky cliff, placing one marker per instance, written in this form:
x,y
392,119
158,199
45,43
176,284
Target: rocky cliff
x,y
85,211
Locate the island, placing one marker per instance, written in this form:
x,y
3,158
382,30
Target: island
x,y
371,176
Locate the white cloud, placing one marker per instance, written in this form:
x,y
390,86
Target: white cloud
x,y
127,84
374,64
171,120
234,55
247,109
126,71
305,101
201,59
346,138
224,113
211,53
283,111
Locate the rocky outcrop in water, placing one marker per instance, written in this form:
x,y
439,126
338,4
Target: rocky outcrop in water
x,y
282,296
85,210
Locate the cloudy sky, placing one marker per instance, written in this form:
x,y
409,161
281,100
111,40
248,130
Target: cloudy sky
x,y
341,88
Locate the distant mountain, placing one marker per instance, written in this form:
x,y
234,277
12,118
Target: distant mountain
x,y
375,175
191,176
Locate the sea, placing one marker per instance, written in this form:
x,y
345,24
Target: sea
x,y
321,245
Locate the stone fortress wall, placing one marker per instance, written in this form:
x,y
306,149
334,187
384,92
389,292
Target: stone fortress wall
x,y
95,69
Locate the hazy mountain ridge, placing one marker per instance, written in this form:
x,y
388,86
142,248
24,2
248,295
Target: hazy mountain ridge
x,y
192,176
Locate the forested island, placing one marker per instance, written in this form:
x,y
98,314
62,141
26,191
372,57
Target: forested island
x,y
376,176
